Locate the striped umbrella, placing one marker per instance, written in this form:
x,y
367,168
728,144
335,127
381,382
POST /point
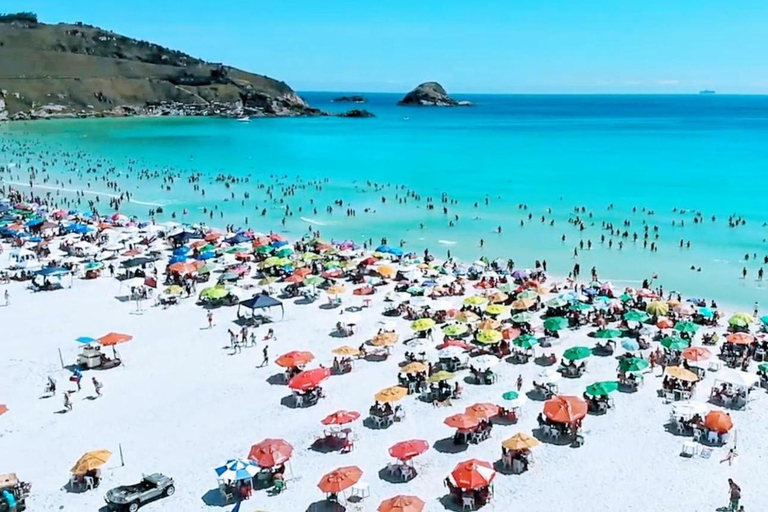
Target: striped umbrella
x,y
237,469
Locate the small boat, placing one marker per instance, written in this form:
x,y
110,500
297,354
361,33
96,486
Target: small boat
x,y
244,119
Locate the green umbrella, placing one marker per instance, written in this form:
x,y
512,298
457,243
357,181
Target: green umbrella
x,y
488,336
217,292
607,334
579,306
557,302
764,319
507,288
527,294
94,265
264,249
707,312
496,309
310,256
687,327
270,262
422,324
740,320
674,343
525,317
602,388
636,316
625,297
633,364
555,323
475,300
455,330
314,280
525,341
283,253
415,290
510,395
576,353
763,367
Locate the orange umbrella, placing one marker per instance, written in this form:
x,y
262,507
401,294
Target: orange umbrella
x,y
340,418
114,338
406,450
294,279
718,421
462,421
483,411
294,359
212,236
473,474
696,354
740,338
565,409
271,452
664,323
3,409
309,379
340,479
402,504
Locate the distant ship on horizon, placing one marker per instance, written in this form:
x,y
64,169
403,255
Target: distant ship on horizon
x,y
707,91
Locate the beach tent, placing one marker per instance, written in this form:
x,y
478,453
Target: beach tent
x,y
136,262
261,301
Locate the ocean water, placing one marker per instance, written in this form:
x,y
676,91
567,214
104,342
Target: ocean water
x,y
654,154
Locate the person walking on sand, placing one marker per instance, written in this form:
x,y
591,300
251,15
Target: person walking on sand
x,y
7,298
67,401
519,382
730,457
210,319
734,494
97,386
265,352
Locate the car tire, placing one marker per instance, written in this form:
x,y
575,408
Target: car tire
x,y
170,490
133,507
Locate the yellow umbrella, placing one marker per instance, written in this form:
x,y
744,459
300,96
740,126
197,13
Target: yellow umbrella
x,y
90,461
414,368
488,337
523,303
385,339
521,441
441,376
680,373
386,271
496,309
174,290
423,324
658,308
336,289
346,350
391,394
475,300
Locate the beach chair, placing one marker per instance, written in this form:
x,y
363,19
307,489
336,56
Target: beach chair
x,y
467,503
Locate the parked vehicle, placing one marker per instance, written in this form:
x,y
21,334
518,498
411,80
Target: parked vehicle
x,y
131,497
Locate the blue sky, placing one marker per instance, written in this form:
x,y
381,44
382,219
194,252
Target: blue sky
x,y
535,46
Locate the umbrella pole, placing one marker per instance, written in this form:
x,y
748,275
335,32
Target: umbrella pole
x,y
122,461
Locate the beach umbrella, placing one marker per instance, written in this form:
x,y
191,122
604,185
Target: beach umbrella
x,y
391,394
462,421
707,312
718,421
602,388
484,362
497,297
764,319
268,280
697,354
557,302
314,280
450,352
346,350
113,338
740,338
214,293
488,337
336,289
680,373
514,398
415,367
406,450
565,409
294,359
635,315
237,469
3,409
525,341
422,324
555,323
90,461
340,418
630,344
483,411
309,379
633,364
763,367
401,504
441,376
657,308
467,317
473,474
688,410
741,320
270,453
340,479
521,441
576,353
384,339
738,378
85,339
625,297
684,309
579,306
664,323
475,300
174,289
674,343
496,309
455,330
522,304
686,327
525,317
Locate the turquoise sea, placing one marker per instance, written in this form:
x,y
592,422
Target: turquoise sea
x,y
705,154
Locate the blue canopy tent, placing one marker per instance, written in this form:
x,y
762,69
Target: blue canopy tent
x,y
260,301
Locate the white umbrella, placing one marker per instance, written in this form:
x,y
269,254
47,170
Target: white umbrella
x,y
484,362
688,410
738,378
419,302
397,296
441,305
387,325
450,352
349,318
517,402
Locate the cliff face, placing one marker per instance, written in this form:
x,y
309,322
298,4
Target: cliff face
x,y
431,94
80,71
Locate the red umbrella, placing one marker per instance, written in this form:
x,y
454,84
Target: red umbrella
x,y
340,418
402,504
696,354
565,409
3,409
473,474
271,452
309,379
340,479
718,421
114,338
406,450
293,359
462,421
294,279
664,323
740,338
483,411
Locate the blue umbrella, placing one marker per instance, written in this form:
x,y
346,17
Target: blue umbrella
x,y
279,243
237,239
237,469
53,271
707,312
181,251
85,339
630,344
178,259
207,256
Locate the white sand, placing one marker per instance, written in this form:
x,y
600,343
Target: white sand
x,y
182,405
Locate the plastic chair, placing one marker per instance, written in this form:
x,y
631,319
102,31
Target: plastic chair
x,y
89,483
689,449
467,503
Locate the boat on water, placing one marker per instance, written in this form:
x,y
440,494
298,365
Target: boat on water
x,y
244,119
707,91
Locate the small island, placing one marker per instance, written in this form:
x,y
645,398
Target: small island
x,y
349,99
357,113
431,94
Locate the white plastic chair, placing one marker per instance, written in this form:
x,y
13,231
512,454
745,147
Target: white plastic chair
x,y
467,503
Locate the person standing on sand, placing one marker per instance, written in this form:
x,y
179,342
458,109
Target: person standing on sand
x,y
265,352
67,401
519,382
734,494
210,319
97,386
7,298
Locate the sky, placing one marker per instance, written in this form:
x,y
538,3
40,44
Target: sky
x,y
480,46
